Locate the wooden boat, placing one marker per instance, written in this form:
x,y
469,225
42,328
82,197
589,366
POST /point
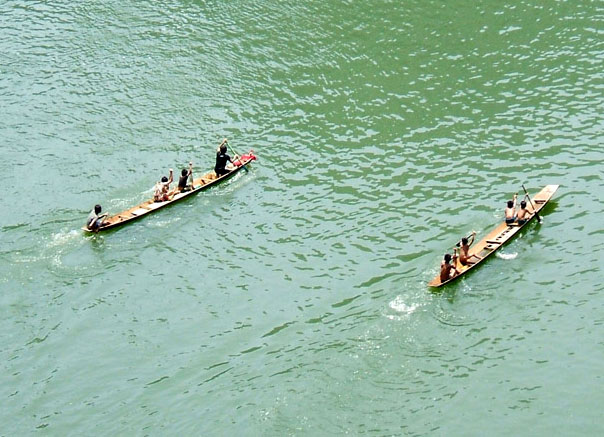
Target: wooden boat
x,y
498,236
204,182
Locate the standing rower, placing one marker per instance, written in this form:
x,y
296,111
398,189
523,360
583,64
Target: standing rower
x,y
221,159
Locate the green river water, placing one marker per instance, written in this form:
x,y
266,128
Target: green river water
x,y
292,300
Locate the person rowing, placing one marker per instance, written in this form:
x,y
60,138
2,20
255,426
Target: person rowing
x,y
464,251
95,219
162,188
221,167
510,211
185,174
447,270
523,213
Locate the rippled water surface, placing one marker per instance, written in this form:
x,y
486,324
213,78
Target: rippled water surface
x,y
292,300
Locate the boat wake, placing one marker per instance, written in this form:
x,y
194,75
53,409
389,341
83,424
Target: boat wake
x,y
63,238
506,256
402,309
164,223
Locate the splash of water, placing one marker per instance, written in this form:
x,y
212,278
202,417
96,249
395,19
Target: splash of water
x,y
506,256
62,238
403,308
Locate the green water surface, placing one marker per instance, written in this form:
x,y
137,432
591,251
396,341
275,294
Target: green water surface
x,y
292,300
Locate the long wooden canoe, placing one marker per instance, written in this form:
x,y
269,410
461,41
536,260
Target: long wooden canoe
x,y
206,181
498,236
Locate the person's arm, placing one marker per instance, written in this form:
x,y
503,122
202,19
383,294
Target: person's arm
x,y
102,217
191,174
224,141
456,255
157,191
453,272
91,219
170,193
515,197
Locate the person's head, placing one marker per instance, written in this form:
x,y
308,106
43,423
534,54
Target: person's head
x,y
464,241
223,148
164,179
447,258
97,209
523,204
510,203
183,172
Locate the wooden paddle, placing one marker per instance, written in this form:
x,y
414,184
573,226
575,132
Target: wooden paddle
x,y
458,244
532,206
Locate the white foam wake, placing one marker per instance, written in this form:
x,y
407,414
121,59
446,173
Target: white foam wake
x,y
63,238
403,308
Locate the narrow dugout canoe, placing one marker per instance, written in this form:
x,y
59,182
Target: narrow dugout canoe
x,y
498,236
206,181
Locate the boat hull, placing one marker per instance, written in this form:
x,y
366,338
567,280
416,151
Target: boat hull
x,y
148,207
498,236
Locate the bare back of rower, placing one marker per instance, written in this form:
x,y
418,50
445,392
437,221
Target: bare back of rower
x,y
447,270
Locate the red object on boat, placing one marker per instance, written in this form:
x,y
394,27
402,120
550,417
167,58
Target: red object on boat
x,y
249,156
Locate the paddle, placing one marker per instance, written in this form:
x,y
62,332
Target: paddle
x,y
458,244
191,176
532,206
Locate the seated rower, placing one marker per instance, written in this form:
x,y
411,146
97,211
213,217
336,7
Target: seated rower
x,y
184,178
221,160
464,252
523,213
447,270
95,219
162,188
510,211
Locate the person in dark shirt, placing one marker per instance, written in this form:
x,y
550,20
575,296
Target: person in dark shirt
x,y
184,178
221,159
